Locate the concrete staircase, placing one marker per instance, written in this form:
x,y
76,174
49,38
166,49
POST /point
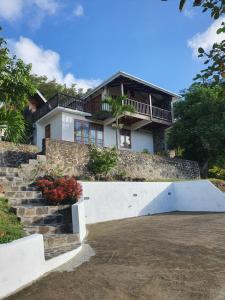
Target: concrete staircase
x,y
26,201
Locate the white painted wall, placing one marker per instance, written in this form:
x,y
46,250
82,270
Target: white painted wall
x,y
106,201
56,128
78,217
141,140
22,261
109,136
199,195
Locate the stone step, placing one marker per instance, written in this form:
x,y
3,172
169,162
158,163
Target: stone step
x,y
32,210
23,194
9,174
41,158
26,201
8,169
56,251
57,240
44,229
55,219
33,162
11,179
20,188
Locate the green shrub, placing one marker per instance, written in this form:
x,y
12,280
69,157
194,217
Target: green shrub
x,y
145,151
217,172
10,227
102,160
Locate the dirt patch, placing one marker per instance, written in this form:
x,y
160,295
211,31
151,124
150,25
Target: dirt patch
x,y
170,256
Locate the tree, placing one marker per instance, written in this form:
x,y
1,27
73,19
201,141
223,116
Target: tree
x,y
15,88
50,87
215,58
199,129
118,109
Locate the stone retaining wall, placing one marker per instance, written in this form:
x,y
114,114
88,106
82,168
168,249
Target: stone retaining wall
x,y
73,159
12,155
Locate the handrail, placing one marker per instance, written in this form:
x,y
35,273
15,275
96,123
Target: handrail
x,y
66,101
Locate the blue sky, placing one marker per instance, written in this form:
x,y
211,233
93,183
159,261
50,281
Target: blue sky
x,y
88,41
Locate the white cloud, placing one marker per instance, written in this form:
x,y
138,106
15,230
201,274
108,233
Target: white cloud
x,y
13,10
50,6
78,10
47,62
207,38
189,12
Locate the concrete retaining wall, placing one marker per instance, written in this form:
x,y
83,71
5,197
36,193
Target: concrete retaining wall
x,y
117,200
22,261
106,201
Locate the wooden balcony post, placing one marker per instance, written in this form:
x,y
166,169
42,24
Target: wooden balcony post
x,y
150,103
122,89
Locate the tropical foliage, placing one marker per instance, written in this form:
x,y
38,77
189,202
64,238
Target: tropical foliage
x,y
118,109
215,58
50,87
102,160
15,87
199,130
10,227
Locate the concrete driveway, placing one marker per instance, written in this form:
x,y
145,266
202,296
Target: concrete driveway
x,y
170,256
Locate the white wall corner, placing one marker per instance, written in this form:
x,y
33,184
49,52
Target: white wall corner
x,y
78,218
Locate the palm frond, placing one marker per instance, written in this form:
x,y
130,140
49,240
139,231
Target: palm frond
x,y
13,124
182,3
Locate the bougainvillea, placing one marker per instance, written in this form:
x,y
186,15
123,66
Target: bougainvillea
x,y
58,190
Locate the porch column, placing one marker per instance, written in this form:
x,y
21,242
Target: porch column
x,y
150,103
122,89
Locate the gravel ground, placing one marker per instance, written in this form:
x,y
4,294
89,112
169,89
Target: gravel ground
x,y
168,256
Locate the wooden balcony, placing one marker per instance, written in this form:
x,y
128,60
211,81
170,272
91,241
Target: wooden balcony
x,y
102,110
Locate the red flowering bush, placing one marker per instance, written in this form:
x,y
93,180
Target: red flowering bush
x,y
60,190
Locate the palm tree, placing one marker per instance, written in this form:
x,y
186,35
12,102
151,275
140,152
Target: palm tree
x,y
12,125
118,109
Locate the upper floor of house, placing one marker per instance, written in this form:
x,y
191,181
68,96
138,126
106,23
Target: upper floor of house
x,y
152,104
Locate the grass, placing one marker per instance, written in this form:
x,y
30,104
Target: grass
x,y
219,183
10,227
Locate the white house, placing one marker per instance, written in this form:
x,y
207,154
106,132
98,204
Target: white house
x,y
88,120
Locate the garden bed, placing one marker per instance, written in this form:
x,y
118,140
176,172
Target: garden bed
x,y
219,183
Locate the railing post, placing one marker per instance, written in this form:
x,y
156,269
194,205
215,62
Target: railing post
x,y
150,103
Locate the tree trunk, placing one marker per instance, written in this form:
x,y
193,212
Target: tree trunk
x,y
204,169
117,133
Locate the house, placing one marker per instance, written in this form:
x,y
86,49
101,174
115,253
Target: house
x,y
88,120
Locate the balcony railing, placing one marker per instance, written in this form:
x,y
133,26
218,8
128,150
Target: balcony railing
x,y
62,100
59,100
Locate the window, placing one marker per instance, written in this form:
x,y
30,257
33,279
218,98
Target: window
x,y
125,138
88,133
48,131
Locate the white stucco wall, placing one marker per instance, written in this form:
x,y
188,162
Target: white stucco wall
x,y
56,128
22,261
109,136
199,195
106,201
141,140
78,218
62,128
